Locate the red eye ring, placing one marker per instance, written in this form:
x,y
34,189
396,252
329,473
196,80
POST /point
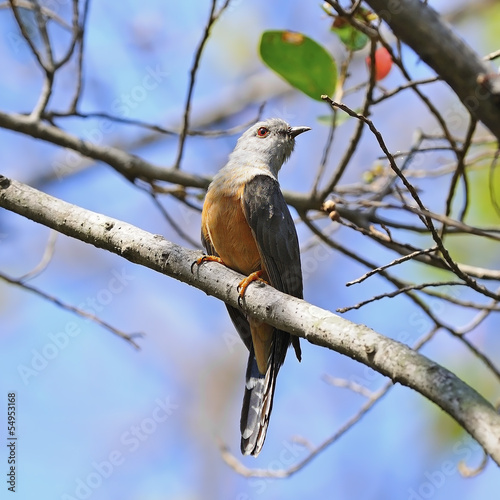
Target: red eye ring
x,y
263,132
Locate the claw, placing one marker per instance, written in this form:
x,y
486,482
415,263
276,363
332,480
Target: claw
x,y
206,258
192,265
241,288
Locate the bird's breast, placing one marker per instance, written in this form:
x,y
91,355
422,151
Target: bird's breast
x,y
224,224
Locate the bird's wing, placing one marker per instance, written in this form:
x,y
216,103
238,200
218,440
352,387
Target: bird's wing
x,y
207,244
272,225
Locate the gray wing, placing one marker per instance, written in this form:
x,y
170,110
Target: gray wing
x,y
272,225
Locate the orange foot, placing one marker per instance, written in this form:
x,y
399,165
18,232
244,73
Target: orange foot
x,y
256,276
206,258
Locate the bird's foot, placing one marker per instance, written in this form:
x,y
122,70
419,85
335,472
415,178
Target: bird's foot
x,y
206,258
256,276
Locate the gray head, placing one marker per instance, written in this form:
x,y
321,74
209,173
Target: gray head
x,y
268,142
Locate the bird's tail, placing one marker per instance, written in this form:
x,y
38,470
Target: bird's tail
x,y
259,392
257,405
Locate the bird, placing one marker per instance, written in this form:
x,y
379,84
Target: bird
x,y
247,226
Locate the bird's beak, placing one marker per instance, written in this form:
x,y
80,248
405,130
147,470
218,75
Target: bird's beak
x,y
295,131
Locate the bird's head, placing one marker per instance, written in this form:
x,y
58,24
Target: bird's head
x,y
268,142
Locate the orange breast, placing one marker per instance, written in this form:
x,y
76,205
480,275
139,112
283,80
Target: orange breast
x,y
225,226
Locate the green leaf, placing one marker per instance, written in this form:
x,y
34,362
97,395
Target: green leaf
x,y
352,38
301,61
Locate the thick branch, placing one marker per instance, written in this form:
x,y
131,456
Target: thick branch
x,y
419,26
298,317
129,165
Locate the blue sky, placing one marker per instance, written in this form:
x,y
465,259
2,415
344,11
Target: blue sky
x,y
99,420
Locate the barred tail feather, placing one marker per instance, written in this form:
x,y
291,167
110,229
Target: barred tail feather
x,y
257,406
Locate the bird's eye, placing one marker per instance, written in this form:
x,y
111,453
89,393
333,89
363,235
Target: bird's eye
x,y
263,132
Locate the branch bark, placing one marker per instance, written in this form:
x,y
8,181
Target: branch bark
x,y
318,326
420,27
127,164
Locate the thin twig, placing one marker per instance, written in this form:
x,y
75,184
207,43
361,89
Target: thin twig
x,y
356,137
405,86
81,46
45,260
348,384
425,219
460,172
491,307
172,222
44,35
394,293
212,18
344,68
370,265
480,317
30,5
390,264
68,307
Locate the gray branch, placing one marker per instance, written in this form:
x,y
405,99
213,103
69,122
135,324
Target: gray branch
x,y
420,27
318,326
127,164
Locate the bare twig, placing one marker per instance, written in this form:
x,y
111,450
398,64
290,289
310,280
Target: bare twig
x,y
356,137
394,293
30,5
212,18
348,384
393,263
419,26
76,310
46,258
460,172
425,219
80,27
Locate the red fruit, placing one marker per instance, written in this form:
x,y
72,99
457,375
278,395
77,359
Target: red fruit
x,y
383,63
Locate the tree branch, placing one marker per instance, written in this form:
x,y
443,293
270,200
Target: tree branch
x,y
318,326
420,27
127,164
76,310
